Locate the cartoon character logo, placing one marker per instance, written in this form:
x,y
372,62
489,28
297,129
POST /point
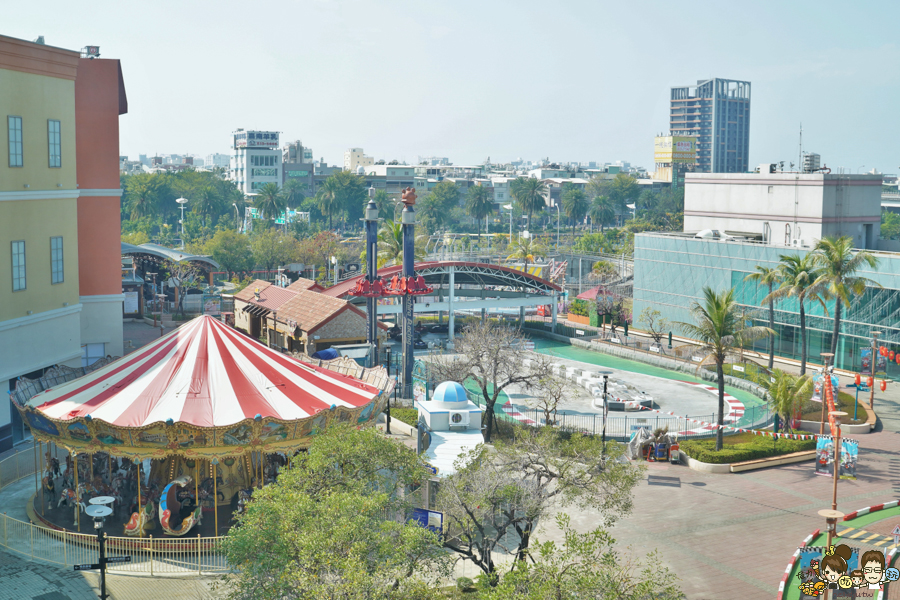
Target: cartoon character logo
x,y
831,572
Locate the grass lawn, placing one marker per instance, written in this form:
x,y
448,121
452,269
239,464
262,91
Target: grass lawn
x,y
743,446
812,411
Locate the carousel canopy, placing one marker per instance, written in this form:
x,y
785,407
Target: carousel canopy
x,y
204,374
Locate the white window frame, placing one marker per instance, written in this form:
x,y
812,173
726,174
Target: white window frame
x,y
14,136
57,264
89,353
54,143
19,278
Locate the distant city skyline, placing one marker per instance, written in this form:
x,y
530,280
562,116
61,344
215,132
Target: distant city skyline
x,y
586,81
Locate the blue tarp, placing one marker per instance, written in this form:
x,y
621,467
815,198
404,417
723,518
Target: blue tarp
x,y
326,354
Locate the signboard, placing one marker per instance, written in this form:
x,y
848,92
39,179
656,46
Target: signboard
x,y
429,519
132,305
579,332
697,358
298,173
265,172
419,381
675,149
737,368
118,559
87,567
256,139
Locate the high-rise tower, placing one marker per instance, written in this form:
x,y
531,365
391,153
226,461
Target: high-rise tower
x,y
717,111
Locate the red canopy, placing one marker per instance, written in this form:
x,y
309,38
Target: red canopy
x,y
205,374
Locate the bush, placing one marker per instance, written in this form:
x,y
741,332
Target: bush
x,y
464,584
761,447
579,307
410,416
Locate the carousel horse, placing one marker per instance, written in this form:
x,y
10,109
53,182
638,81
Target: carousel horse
x,y
169,505
141,522
207,487
70,496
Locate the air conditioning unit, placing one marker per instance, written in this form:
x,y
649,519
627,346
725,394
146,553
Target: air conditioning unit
x,y
459,419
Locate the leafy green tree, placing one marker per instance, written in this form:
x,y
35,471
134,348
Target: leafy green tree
x,y
273,248
318,250
206,203
496,497
137,238
602,211
721,330
584,565
390,244
890,225
294,192
839,266
787,394
270,202
350,190
800,279
333,526
526,248
436,207
528,193
143,192
480,202
575,205
385,203
655,324
623,189
231,250
769,277
603,270
328,199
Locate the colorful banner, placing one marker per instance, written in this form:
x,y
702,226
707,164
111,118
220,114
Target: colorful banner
x,y
818,381
824,456
849,456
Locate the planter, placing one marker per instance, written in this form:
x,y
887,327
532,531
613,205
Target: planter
x,y
813,426
749,465
582,319
705,467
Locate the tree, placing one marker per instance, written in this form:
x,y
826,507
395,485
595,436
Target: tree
x,y
143,192
526,248
584,565
655,324
328,200
183,275
273,248
350,194
333,526
207,203
528,193
575,205
480,203
384,202
496,497
435,208
548,390
611,308
787,394
231,250
136,238
770,277
491,356
621,190
839,266
799,279
603,270
721,331
602,211
890,225
294,192
390,244
318,250
270,202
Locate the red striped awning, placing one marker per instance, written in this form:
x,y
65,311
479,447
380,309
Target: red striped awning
x,y
206,374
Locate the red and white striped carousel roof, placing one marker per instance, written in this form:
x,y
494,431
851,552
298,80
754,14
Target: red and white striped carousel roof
x,y
206,374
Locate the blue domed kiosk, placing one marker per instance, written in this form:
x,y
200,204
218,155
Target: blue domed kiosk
x,y
455,425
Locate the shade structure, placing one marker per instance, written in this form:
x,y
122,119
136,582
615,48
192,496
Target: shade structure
x,y
205,390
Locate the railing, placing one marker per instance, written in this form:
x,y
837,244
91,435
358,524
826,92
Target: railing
x,y
184,556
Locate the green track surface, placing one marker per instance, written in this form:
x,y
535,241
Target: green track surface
x,y
791,591
564,350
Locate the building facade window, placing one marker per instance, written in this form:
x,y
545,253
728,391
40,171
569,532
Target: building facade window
x,y
18,266
56,260
14,128
53,144
91,353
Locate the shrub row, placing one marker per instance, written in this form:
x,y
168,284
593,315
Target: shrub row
x,y
764,447
407,415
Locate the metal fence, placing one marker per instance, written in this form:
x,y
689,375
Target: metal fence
x,y
185,556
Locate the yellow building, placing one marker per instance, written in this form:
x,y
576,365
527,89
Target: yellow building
x,y
42,212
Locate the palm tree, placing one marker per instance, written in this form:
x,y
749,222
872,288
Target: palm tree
x,y
526,248
787,394
207,202
602,210
270,202
480,203
799,278
528,193
143,194
839,265
575,205
721,332
383,201
390,244
293,192
328,199
769,276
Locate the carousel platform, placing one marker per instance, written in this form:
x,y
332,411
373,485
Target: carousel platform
x,y
62,518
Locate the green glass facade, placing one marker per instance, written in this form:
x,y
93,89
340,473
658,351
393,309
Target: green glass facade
x,y
670,272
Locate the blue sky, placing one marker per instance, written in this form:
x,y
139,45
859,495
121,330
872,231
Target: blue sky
x,y
565,80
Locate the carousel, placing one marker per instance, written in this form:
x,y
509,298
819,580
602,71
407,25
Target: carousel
x,y
176,436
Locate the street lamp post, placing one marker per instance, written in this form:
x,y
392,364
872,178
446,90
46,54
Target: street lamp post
x,y
237,217
837,415
510,209
872,364
181,202
387,428
334,268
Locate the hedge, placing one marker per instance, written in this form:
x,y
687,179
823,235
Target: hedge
x,y
407,415
764,447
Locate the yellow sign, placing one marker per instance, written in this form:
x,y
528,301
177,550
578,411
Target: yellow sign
x,y
675,149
